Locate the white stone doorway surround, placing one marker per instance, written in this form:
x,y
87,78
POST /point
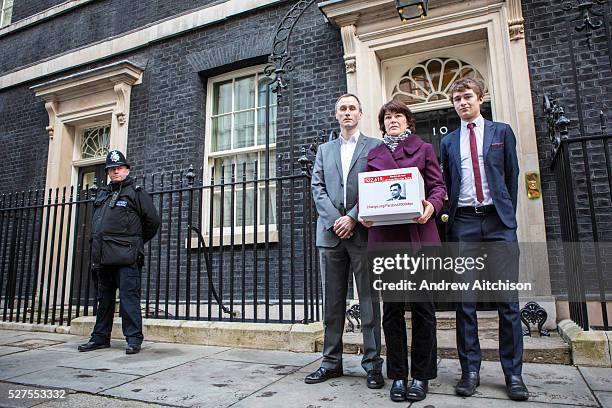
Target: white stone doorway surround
x,y
374,38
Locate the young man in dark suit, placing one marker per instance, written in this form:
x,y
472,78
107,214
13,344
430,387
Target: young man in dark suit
x,y
481,172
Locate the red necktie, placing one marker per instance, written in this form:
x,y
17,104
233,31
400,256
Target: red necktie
x,y
475,165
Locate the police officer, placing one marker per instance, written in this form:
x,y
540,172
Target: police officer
x,y
124,219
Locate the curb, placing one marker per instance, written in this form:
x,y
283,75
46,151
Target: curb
x,y
264,336
589,348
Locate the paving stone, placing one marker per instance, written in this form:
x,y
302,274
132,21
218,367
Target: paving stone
x,y
9,336
205,382
72,346
50,336
94,401
550,383
269,357
6,350
91,381
604,397
351,366
452,401
345,391
34,343
153,357
7,402
598,379
17,364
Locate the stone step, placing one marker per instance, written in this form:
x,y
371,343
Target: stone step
x,y
447,321
550,350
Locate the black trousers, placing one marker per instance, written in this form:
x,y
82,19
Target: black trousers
x,y
489,228
337,265
423,357
127,280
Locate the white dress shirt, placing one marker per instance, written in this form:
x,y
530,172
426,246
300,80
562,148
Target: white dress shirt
x,y
467,192
347,148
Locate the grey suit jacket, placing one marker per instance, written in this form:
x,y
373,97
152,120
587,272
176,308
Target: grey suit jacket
x,y
328,190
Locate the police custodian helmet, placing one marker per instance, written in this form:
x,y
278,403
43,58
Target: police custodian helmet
x,y
115,158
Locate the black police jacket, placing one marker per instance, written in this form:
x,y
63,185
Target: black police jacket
x,y
124,219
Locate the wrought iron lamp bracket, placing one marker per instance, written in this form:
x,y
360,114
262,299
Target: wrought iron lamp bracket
x,y
585,20
280,62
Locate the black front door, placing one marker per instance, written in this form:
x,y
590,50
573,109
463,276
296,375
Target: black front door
x,y
433,125
83,289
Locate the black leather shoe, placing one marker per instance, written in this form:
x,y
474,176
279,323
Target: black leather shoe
x,y
466,386
516,388
132,349
321,375
398,391
92,345
375,379
417,390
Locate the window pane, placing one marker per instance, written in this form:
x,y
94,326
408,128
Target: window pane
x,y
221,133
227,209
95,142
271,204
263,88
249,217
272,164
244,93
244,129
249,159
222,98
261,125
223,164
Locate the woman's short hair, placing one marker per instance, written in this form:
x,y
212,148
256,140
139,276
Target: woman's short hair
x,y
395,106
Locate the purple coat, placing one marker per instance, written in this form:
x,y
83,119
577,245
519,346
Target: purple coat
x,y
410,152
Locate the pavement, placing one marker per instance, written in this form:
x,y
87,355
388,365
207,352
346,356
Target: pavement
x,y
167,374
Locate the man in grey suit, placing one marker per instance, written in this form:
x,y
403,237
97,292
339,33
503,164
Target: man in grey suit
x,y
342,244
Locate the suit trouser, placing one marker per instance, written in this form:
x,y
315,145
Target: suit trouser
x,y
423,357
336,265
127,280
489,228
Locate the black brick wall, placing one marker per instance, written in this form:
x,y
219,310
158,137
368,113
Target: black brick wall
x,y
167,117
27,8
554,48
84,25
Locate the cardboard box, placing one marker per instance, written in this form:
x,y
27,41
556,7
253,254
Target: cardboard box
x,y
391,196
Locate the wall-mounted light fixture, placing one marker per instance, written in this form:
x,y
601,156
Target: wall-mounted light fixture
x,y
411,9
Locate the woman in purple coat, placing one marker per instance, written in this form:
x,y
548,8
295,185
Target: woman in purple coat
x,y
402,148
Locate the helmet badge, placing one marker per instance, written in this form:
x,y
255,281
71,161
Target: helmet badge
x,y
114,156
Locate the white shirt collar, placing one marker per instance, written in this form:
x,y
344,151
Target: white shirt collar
x,y
479,122
353,139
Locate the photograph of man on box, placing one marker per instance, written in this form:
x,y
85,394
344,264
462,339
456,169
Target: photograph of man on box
x,y
396,192
481,173
402,149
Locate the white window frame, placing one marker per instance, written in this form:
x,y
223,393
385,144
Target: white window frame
x,y
79,130
3,13
209,155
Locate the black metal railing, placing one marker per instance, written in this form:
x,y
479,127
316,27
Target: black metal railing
x,y
232,246
580,164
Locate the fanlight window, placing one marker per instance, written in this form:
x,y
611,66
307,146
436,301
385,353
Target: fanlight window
x,y
430,80
95,142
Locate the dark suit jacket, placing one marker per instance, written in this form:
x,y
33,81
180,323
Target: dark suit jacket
x,y
410,152
328,190
501,168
